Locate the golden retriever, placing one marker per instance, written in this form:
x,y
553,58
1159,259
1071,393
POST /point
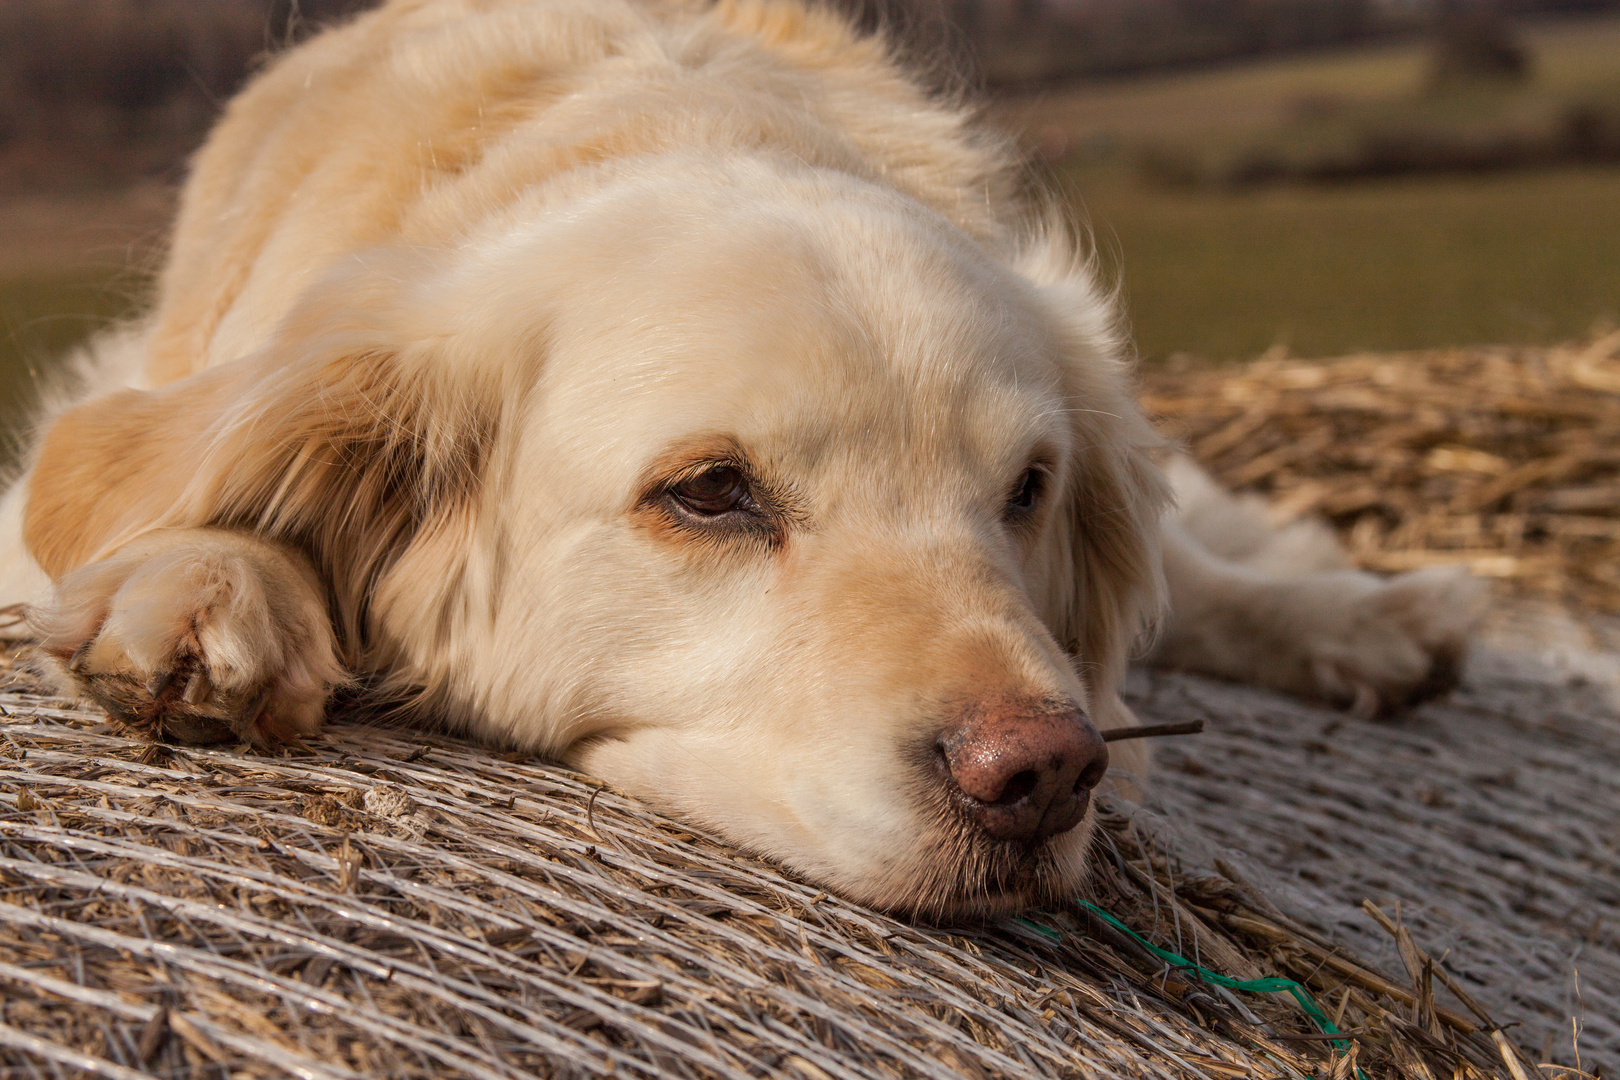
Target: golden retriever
x,y
678,389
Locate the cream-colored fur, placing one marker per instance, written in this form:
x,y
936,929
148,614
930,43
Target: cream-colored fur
x,y
1281,606
463,292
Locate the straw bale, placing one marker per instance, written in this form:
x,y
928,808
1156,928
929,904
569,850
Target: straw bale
x,y
392,903
1506,459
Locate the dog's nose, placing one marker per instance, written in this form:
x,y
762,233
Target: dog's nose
x,y
1025,772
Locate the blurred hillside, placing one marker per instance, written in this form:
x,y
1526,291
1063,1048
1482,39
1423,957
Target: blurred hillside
x,y
1022,41
1255,205
94,92
97,92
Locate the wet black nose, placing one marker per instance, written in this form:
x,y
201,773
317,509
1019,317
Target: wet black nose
x,y
1023,771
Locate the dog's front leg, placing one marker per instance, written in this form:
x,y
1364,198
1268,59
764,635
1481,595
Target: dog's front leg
x,y
1346,636
195,636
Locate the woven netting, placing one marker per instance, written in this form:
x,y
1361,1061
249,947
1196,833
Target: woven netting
x,y
1488,818
393,904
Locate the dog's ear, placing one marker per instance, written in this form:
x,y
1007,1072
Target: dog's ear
x,y
340,435
1106,580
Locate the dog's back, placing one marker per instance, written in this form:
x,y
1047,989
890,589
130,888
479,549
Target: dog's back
x,y
427,122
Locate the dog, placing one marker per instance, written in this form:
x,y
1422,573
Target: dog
x,y
681,390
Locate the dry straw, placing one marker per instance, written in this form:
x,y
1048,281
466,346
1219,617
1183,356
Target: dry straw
x,y
1504,459
387,904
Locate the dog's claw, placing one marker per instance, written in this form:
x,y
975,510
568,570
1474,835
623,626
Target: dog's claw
x,y
159,683
197,689
80,658
248,726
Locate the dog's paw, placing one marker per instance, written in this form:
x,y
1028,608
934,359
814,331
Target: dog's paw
x,y
199,636
1381,645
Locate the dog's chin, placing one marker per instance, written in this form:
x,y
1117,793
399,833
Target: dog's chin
x,y
961,877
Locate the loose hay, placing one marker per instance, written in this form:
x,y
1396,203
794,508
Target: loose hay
x,y
389,904
1504,459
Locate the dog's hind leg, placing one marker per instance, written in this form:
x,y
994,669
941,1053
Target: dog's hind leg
x,y
195,636
1242,528
1281,608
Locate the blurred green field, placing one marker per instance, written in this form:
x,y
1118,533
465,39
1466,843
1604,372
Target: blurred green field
x,y
1384,265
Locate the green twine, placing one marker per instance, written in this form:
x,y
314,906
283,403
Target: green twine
x,y
1253,986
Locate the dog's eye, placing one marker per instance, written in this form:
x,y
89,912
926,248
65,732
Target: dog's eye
x,y
717,490
1028,496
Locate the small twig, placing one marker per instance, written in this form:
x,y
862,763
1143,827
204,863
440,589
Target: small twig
x,y
1509,1057
1152,731
151,1037
590,815
1462,995
182,1026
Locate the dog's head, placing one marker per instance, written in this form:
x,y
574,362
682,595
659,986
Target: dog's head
x,y
762,493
